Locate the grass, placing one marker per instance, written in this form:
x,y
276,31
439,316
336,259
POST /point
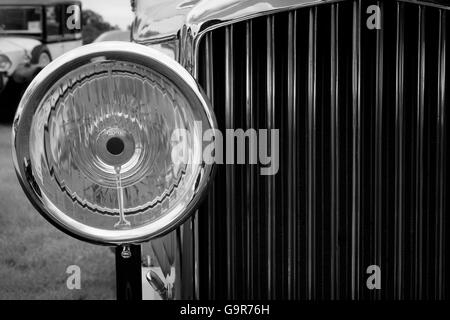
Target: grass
x,y
34,255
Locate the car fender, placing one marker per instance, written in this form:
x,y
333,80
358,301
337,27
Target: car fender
x,y
18,50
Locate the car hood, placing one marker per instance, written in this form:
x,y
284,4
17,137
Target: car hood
x,y
18,50
14,44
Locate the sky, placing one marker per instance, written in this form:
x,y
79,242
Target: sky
x,y
116,12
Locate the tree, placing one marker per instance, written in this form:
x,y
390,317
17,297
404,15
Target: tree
x,y
94,25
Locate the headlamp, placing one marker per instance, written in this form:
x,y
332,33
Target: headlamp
x,y
93,148
5,63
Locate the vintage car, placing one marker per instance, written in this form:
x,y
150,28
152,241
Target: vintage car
x,y
113,145
33,33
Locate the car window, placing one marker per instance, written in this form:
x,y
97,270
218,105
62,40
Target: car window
x,y
20,19
53,20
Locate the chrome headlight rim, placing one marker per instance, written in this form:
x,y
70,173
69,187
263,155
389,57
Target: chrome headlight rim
x,y
39,87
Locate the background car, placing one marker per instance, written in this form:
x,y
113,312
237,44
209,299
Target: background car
x,y
32,34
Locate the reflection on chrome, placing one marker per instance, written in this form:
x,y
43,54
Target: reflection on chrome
x,y
100,156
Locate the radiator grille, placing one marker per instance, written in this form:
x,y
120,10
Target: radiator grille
x,y
363,176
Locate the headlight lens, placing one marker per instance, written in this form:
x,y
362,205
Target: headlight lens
x,y
5,63
93,143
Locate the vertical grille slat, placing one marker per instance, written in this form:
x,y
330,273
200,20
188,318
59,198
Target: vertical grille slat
x,y
440,165
378,172
399,153
211,222
250,123
419,152
311,161
363,166
292,135
230,169
270,180
356,161
334,103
